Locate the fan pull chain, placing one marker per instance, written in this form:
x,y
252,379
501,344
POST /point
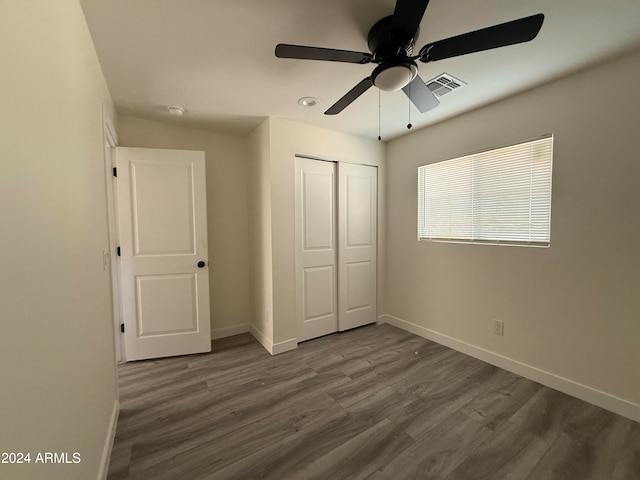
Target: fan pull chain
x,y
379,137
409,97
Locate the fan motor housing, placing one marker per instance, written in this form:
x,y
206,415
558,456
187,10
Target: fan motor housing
x,y
385,44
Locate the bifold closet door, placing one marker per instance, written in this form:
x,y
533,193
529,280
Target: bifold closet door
x,y
357,244
336,228
316,222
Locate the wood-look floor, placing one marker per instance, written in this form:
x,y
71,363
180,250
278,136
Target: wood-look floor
x,y
371,403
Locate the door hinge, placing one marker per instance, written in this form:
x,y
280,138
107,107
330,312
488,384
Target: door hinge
x,y
118,250
122,327
115,172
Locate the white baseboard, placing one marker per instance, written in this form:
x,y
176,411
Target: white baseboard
x,y
108,444
261,338
588,394
285,346
217,333
382,319
273,348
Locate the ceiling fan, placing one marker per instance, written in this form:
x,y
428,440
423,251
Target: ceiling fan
x,y
391,41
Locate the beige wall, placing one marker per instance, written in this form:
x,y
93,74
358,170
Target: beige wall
x,y
227,211
259,183
58,389
250,191
286,140
574,309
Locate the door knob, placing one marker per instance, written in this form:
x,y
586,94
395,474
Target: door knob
x,y
201,264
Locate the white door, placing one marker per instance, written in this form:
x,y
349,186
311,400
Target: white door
x,y
164,267
316,306
336,247
357,244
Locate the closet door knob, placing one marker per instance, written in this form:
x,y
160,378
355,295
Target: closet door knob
x,y
201,264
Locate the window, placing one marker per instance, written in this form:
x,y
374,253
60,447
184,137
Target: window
x,y
501,196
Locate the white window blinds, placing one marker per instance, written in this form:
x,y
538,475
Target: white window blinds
x,y
499,196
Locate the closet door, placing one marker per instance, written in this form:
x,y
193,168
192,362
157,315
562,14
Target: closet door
x,y
316,277
357,244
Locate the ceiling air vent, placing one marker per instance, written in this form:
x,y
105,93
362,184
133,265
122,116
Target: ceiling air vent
x,y
443,84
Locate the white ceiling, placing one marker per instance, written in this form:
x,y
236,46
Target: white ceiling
x,y
216,57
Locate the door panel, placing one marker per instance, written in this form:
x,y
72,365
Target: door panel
x,y
358,208
316,305
357,245
163,233
318,209
358,282
162,195
318,292
166,304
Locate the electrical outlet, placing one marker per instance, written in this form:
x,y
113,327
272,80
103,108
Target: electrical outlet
x,y
498,327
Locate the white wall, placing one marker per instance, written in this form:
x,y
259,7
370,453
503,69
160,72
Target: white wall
x,y
58,388
227,211
286,140
572,310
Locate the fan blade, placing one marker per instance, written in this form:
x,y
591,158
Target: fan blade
x,y
420,95
317,53
509,33
350,96
407,16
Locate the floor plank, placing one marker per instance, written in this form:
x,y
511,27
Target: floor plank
x,y
371,403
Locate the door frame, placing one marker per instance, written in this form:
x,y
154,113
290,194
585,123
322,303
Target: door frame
x,y
110,141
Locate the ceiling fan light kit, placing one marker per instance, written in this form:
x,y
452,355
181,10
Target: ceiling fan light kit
x,y
391,42
394,77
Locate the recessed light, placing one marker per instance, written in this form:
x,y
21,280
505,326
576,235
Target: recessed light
x,y
176,111
308,102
